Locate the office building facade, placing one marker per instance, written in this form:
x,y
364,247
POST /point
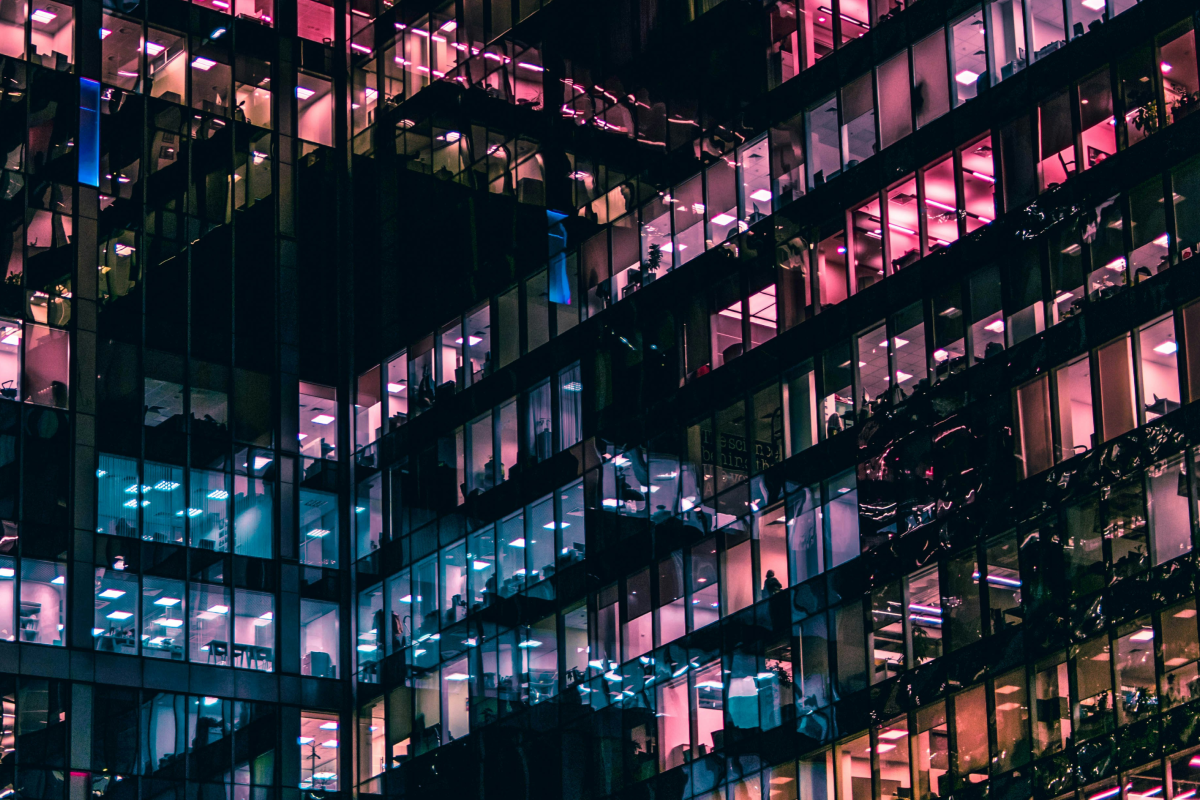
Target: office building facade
x,y
657,401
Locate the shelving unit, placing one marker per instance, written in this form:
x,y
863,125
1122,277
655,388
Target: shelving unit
x,y
30,625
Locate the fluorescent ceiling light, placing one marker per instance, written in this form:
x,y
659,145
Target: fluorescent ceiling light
x,y
171,623
966,77
1167,348
517,542
722,219
43,16
323,419
119,615
1094,5
995,327
394,388
111,594
329,726
303,93
60,580
762,195
449,27
167,602
105,33
218,494
153,48
219,609
204,64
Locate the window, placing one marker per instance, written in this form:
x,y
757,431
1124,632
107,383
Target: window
x,y
368,425
858,114
941,202
1137,79
319,643
208,511
824,150
986,314
1092,703
979,182
318,528
162,503
815,22
1180,680
253,90
1032,406
509,316
164,615
1076,425
314,107
211,79
539,435
1012,711
1097,121
1047,30
674,727
478,343
866,237
737,578
115,628
971,738
47,380
1006,37
1056,159
1114,365
1003,582
253,515
1151,244
904,225
838,405
949,355
1159,369
1134,667
253,630
908,351
1170,522
1066,274
368,512
209,628
51,34
895,106
540,540
397,391
318,420
888,646
932,751
1177,66
570,406
537,311
637,632
931,81
968,47
318,749
925,615
507,435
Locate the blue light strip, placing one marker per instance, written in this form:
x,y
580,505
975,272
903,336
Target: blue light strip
x,y
89,132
